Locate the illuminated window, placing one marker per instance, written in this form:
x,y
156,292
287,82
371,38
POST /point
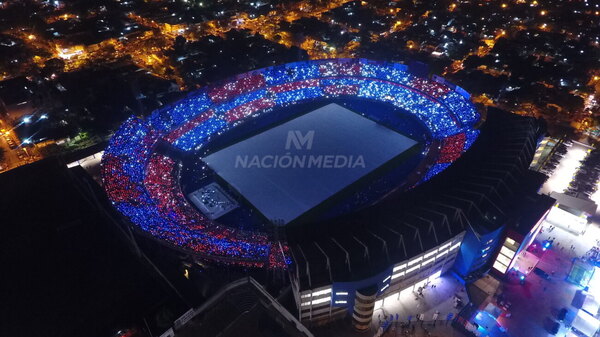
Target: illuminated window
x,y
321,300
500,267
321,292
418,259
395,276
413,268
507,252
442,254
430,253
502,258
400,267
427,262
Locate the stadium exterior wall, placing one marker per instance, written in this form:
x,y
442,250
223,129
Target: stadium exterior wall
x,y
324,304
488,192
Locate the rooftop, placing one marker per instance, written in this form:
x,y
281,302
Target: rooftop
x,y
481,190
328,149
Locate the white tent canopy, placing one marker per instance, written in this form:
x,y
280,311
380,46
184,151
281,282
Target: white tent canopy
x,y
591,305
586,323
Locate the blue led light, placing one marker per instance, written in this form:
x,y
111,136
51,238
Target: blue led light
x,y
143,186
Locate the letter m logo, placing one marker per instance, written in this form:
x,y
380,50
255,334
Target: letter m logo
x,y
300,141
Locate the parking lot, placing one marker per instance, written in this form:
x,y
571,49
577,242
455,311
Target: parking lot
x,y
14,154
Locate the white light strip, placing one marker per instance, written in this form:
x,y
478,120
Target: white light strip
x,y
387,278
341,302
444,246
417,260
429,254
455,246
413,268
500,267
321,292
321,300
395,276
385,287
400,267
427,262
341,293
442,254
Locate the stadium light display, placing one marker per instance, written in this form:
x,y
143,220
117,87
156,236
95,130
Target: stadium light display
x,y
143,185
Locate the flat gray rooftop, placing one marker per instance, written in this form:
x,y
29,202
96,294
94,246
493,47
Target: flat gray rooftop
x,y
291,168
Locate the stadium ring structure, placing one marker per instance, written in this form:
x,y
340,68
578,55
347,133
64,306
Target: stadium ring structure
x,y
142,183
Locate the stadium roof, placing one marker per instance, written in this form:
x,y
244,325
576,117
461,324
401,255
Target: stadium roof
x,y
142,182
480,190
295,166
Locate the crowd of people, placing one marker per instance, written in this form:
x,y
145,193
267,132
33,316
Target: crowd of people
x,y
143,187
445,111
148,193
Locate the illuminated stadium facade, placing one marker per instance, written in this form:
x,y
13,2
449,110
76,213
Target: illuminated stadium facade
x,y
207,176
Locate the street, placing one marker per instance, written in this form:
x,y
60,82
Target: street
x,y
16,156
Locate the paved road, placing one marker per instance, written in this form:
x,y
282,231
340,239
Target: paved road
x,y
11,156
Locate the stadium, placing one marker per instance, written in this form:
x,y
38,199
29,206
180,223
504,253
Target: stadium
x,y
319,168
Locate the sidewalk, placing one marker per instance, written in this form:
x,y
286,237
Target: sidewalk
x,y
437,297
405,304
343,328
441,329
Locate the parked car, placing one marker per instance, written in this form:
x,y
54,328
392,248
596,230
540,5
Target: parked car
x,y
554,327
562,314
